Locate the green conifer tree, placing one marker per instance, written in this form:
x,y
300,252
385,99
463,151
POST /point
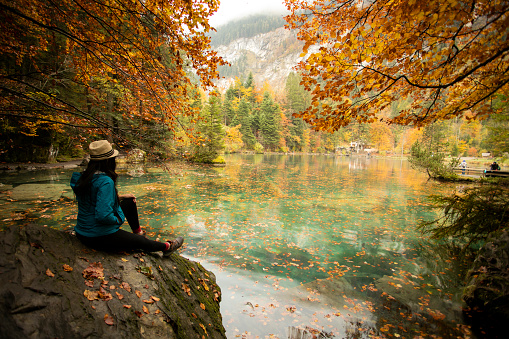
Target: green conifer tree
x,y
256,121
244,115
297,101
211,132
250,86
269,123
229,114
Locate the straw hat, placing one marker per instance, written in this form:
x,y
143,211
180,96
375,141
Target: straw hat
x,y
101,149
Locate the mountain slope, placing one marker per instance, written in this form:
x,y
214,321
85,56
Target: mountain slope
x,y
269,56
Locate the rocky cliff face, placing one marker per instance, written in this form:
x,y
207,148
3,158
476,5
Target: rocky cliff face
x,y
270,57
51,286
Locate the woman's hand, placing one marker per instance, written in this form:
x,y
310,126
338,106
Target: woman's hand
x,y
128,196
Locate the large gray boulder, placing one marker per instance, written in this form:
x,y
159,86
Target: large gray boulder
x,y
51,286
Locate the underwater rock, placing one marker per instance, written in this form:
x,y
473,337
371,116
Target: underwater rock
x,y
45,192
51,286
487,291
4,187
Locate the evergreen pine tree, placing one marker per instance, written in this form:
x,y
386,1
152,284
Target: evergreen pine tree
x,y
256,121
250,87
229,115
269,123
250,81
297,101
245,120
212,132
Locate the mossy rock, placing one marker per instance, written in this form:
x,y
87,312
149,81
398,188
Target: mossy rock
x,y
44,293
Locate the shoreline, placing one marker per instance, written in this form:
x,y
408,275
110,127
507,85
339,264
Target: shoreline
x,y
29,166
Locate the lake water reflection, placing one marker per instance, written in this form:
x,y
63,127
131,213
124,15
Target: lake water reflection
x,y
297,241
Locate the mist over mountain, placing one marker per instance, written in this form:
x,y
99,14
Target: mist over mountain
x,y
259,44
246,28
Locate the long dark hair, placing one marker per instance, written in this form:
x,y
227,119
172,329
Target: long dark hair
x,y
106,166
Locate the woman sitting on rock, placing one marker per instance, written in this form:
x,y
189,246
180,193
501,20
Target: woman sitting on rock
x,y
101,211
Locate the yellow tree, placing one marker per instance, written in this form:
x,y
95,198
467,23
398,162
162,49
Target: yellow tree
x,y
143,50
446,57
381,136
233,139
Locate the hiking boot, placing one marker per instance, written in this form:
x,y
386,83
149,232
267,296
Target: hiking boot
x,y
174,245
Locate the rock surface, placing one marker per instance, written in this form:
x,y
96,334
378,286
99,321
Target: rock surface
x,y
487,291
51,286
270,56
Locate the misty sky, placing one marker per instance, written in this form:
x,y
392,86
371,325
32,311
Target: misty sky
x,y
230,10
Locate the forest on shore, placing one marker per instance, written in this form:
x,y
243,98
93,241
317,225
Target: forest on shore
x,y
53,110
251,118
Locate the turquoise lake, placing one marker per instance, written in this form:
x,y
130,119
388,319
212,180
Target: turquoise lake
x,y
319,243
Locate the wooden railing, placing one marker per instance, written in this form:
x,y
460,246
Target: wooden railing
x,y
481,172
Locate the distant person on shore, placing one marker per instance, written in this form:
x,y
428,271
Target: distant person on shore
x,y
463,166
494,166
101,210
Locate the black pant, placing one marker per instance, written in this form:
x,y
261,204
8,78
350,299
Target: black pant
x,y
122,240
130,210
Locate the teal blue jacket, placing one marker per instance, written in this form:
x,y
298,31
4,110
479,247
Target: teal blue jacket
x,y
99,212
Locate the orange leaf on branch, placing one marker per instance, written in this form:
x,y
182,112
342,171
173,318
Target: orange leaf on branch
x,y
105,52
445,58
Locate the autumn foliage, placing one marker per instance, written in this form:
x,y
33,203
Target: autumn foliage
x,y
445,57
78,62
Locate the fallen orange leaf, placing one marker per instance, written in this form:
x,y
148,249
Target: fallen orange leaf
x,y
125,286
108,320
91,295
94,270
